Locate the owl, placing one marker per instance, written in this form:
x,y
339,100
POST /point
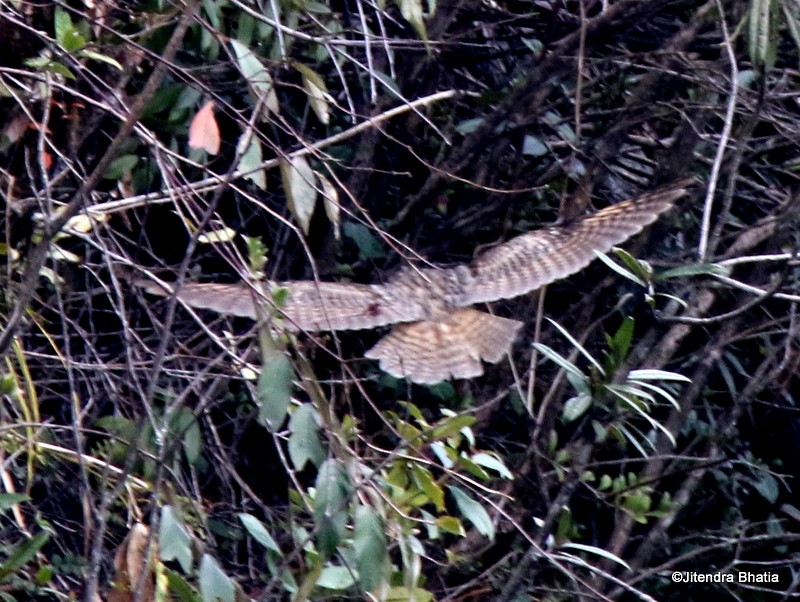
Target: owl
x,y
436,334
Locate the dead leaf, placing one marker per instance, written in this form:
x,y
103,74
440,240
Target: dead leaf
x,y
16,128
301,191
204,131
129,562
330,197
317,92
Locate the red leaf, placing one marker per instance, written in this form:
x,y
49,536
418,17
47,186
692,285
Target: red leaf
x,y
204,131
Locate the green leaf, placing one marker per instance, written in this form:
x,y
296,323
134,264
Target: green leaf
x,y
767,486
653,374
63,24
576,344
620,343
299,185
404,594
45,64
74,41
763,33
426,483
215,585
370,546
533,147
637,505
473,512
472,468
598,552
369,247
791,15
561,361
184,425
330,506
22,554
275,390
451,426
337,578
259,532
412,12
67,35
697,269
100,58
120,167
492,462
450,524
174,540
251,160
9,500
576,407
304,443
179,588
468,126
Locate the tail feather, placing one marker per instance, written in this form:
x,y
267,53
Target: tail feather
x,y
435,350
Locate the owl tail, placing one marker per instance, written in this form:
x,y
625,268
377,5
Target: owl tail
x,y
453,346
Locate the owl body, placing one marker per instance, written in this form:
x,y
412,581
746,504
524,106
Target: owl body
x,y
437,335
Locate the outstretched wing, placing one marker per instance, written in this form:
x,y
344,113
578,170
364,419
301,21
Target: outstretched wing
x,y
434,350
532,260
310,305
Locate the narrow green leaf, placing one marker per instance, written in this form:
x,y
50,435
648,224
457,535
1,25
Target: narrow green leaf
x,y
425,481
22,553
597,552
370,546
330,506
621,342
492,462
412,12
697,269
561,361
450,426
653,374
763,33
259,532
576,344
473,512
275,390
101,58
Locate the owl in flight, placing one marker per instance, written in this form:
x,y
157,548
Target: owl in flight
x,y
436,334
